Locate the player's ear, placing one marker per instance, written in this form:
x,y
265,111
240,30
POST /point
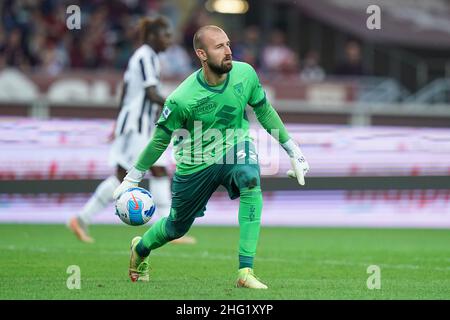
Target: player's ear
x,y
201,54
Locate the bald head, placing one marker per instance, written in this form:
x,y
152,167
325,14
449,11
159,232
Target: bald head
x,y
212,47
204,34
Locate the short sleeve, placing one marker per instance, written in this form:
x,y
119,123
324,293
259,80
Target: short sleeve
x,y
172,116
150,76
257,94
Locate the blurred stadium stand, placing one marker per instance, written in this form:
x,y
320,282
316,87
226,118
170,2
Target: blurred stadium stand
x,y
371,107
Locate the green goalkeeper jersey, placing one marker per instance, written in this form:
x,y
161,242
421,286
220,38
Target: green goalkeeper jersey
x,y
212,119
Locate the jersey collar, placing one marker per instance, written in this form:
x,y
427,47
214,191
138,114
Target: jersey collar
x,y
212,88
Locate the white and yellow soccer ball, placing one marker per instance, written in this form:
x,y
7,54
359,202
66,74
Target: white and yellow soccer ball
x,y
135,206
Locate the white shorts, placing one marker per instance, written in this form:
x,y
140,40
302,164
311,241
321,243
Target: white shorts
x,y
126,149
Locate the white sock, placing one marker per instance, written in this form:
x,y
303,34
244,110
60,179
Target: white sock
x,y
162,195
100,199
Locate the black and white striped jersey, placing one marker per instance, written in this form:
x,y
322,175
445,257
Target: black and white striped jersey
x,y
137,112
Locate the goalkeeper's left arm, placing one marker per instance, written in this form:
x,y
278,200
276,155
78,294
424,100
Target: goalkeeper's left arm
x,y
270,120
154,149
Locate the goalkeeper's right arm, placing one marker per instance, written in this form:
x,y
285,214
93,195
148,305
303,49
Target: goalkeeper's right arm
x,y
154,149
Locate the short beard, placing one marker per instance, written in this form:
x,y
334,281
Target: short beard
x,y
220,69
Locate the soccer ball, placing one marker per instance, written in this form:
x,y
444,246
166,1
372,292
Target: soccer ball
x,y
135,206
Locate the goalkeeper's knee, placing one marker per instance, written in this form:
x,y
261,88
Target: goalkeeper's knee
x,y
176,229
247,177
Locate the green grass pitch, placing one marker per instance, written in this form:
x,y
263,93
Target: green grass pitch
x,y
296,263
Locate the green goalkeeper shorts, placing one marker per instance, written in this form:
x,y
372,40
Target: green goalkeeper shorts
x,y
191,193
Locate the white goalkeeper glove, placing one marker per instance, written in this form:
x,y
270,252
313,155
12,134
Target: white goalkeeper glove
x,y
131,180
298,162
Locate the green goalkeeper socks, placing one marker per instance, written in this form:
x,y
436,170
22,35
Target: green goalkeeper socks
x,y
141,250
155,237
245,262
250,208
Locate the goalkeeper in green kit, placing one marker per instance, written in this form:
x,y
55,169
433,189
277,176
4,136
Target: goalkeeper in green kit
x,y
206,116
